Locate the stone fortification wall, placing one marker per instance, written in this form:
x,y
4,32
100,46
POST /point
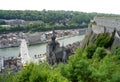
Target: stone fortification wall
x,y
97,29
101,29
116,41
110,22
101,25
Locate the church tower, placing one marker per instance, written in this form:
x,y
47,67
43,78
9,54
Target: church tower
x,y
52,46
55,53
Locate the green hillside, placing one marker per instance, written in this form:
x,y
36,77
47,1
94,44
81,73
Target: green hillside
x,y
46,20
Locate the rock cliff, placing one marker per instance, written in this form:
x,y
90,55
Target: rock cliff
x,y
102,25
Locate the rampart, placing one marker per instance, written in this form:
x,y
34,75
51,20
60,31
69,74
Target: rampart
x,y
109,25
108,22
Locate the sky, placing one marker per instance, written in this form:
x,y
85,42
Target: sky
x,y
100,6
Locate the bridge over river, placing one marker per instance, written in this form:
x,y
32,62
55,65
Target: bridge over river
x,y
25,58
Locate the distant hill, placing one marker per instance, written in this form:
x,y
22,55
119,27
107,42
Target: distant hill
x,y
45,20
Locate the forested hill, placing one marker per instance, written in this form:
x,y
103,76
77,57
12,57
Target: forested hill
x,y
49,16
46,19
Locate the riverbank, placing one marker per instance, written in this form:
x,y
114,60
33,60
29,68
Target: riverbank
x,y
38,48
13,39
37,52
14,62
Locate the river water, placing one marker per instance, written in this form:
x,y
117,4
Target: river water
x,y
39,48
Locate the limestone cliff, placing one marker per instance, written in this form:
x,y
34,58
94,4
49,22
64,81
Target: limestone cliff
x,y
101,25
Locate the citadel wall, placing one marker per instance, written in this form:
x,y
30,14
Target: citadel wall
x,y
97,29
110,22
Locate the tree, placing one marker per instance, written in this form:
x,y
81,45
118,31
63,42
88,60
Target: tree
x,y
100,53
90,50
77,69
104,40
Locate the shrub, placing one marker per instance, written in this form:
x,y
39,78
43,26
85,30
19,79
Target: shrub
x,y
117,51
77,69
100,53
90,50
104,40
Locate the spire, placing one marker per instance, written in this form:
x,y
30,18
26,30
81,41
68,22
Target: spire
x,y
53,35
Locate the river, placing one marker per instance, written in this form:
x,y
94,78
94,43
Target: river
x,y
39,48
